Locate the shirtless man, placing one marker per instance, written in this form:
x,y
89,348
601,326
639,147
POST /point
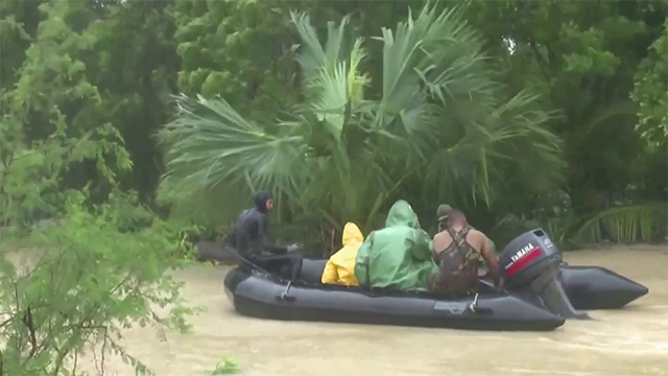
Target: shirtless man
x,y
457,251
442,214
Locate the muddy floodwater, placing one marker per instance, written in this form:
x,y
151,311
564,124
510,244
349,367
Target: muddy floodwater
x,y
628,342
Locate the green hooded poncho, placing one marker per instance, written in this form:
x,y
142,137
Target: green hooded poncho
x,y
398,256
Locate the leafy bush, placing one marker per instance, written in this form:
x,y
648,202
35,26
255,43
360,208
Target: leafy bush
x,y
86,277
226,366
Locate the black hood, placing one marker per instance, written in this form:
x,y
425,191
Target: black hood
x,y
260,200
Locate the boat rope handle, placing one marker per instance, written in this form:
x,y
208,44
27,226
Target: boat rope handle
x,y
474,305
287,289
284,295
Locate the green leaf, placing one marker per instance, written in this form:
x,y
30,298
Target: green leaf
x,y
626,224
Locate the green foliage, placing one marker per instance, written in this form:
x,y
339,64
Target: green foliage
x,y
54,111
53,77
342,154
226,366
97,267
627,224
18,23
651,92
187,248
87,66
241,50
583,57
134,66
29,185
73,67
87,277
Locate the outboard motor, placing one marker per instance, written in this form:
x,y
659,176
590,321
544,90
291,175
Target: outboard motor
x,y
532,262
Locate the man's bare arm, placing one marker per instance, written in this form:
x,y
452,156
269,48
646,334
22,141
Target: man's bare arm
x,y
440,242
490,259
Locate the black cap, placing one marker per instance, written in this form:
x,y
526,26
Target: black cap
x,y
443,211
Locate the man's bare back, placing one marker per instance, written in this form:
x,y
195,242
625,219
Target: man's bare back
x,y
442,240
477,240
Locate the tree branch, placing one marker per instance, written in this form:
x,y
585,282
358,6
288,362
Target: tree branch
x,y
18,309
59,361
96,363
6,322
542,63
5,171
28,322
104,349
99,366
74,367
83,324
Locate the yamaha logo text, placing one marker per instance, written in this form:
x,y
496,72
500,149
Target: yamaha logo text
x,y
520,254
526,249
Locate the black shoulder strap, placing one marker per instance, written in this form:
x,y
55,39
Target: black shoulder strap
x,y
458,239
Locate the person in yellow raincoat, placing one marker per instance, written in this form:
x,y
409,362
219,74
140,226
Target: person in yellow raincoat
x,y
340,268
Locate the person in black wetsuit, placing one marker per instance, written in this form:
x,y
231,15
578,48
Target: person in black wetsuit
x,y
251,241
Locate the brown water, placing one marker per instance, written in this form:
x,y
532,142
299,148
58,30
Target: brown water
x,y
628,342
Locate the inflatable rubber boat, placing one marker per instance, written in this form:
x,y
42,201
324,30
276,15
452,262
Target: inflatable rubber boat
x,y
593,287
540,293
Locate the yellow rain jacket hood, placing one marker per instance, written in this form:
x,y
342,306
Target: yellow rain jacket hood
x,y
340,268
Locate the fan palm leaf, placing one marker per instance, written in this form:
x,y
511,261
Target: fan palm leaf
x,y
214,154
471,156
331,73
215,144
471,134
313,55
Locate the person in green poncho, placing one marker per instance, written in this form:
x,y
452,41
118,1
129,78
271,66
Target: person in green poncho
x,y
398,256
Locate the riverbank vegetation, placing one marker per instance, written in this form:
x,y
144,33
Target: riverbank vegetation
x,y
131,128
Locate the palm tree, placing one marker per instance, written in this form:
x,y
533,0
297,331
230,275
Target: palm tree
x,y
341,153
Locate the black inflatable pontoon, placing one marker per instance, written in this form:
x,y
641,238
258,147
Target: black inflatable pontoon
x,y
593,287
259,294
541,292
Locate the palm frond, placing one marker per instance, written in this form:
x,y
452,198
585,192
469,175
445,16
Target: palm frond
x,y
211,144
357,80
313,55
457,68
332,95
438,53
401,56
602,114
626,224
475,150
342,177
332,76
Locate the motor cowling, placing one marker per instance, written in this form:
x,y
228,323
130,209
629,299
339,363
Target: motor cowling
x,y
527,257
531,262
